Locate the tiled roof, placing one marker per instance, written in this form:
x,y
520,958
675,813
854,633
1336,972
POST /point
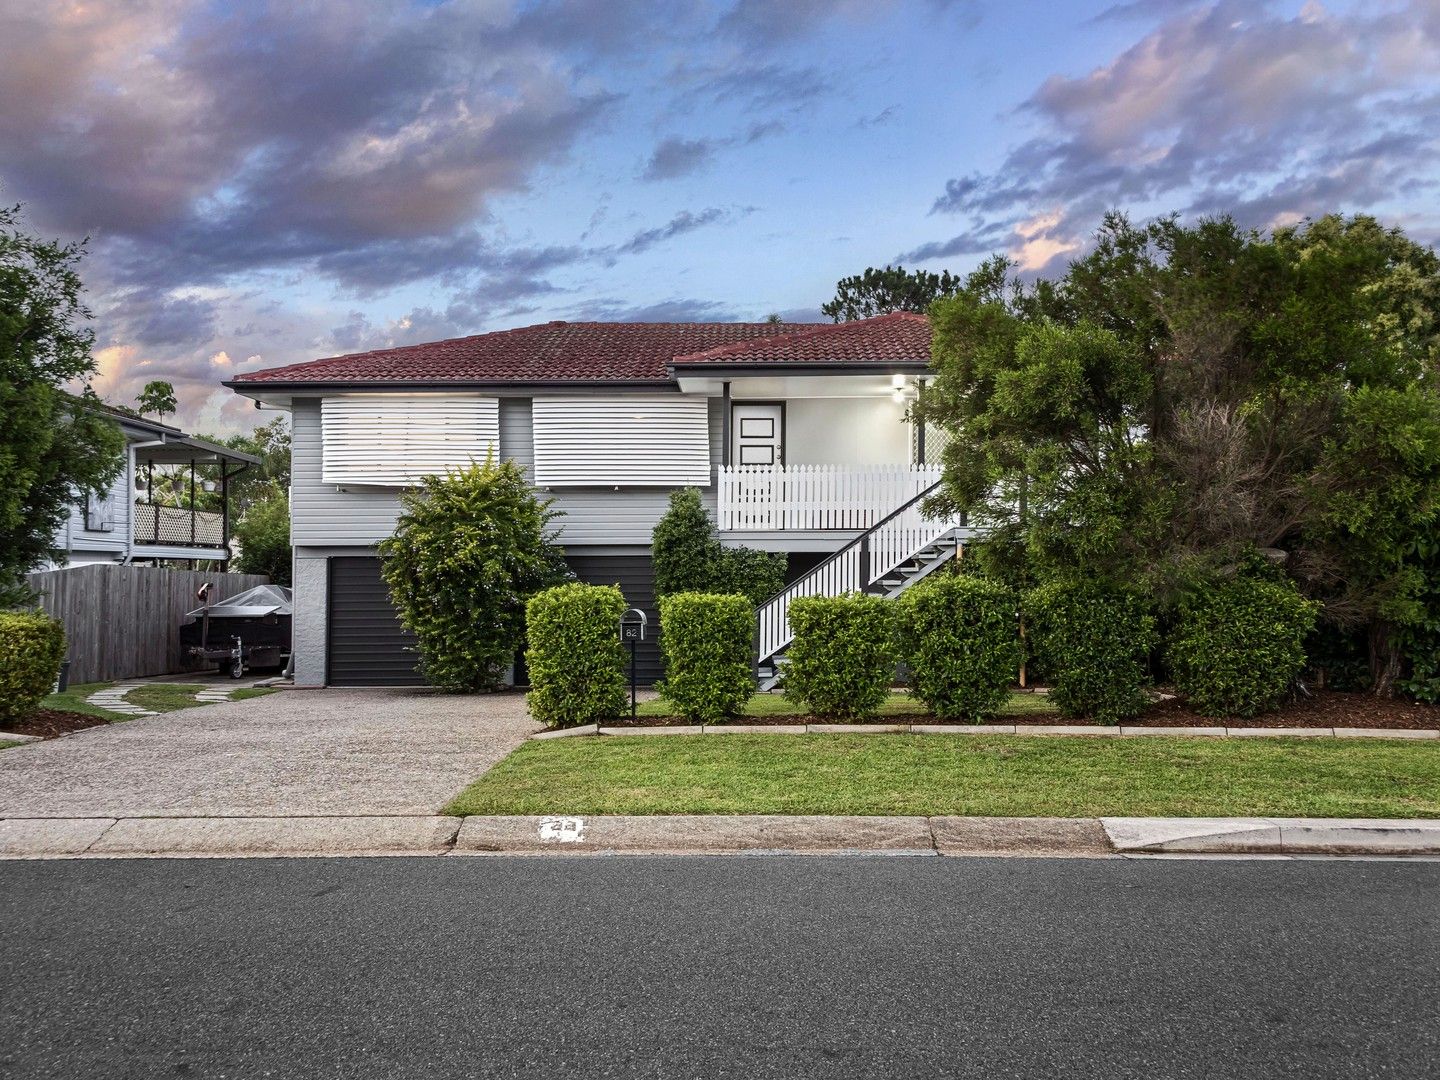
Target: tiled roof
x,y
555,351
900,337
620,352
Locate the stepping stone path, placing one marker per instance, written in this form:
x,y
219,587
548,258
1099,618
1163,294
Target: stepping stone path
x,y
112,698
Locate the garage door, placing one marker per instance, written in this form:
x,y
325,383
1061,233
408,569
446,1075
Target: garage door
x,y
367,645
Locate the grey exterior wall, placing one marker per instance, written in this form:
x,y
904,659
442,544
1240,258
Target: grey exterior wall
x,y
323,515
599,524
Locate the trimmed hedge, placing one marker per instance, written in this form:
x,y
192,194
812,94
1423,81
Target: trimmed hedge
x,y
707,640
959,637
1093,641
576,661
32,646
842,661
1238,646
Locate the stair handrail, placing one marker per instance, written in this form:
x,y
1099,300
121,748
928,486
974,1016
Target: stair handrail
x,y
815,570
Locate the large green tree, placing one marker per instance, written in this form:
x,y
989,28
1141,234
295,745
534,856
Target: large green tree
x,y
892,288
1186,397
54,446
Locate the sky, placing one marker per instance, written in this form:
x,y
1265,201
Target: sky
x,y
263,183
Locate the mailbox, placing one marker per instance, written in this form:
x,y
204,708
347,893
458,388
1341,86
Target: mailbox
x,y
632,625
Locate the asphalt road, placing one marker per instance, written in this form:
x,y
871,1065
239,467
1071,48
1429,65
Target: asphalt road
x,y
719,967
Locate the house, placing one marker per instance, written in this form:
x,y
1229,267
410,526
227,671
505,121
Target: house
x,y
127,525
796,435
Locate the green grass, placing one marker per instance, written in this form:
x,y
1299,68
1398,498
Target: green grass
x,y
6,744
1020,704
165,697
158,697
1006,776
73,700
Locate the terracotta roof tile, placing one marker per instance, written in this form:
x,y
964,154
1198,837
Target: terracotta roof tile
x,y
886,339
620,352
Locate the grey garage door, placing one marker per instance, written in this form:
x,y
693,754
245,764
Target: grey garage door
x,y
367,645
636,577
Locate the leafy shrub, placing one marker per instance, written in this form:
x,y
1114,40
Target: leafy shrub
x,y
707,641
469,549
576,660
1238,646
958,635
842,661
688,557
1093,641
32,646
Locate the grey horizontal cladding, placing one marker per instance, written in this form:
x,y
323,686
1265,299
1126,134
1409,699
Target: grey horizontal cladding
x,y
603,515
325,516
322,513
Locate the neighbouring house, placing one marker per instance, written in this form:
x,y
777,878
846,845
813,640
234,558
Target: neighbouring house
x,y
128,525
795,433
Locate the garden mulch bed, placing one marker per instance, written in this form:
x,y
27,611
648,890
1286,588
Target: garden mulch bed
x,y
1323,709
52,723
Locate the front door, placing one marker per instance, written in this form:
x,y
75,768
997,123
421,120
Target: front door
x,y
758,432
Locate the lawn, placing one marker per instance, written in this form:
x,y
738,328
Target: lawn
x,y
6,744
1020,704
157,697
1004,776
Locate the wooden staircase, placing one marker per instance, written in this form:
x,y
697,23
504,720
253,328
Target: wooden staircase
x,y
901,549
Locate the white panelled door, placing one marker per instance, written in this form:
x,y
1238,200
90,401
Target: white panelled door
x,y
758,434
757,449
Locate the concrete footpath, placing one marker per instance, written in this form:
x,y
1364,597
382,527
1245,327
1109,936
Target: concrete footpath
x,y
221,837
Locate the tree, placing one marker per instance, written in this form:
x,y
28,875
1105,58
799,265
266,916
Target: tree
x,y
271,444
688,557
263,536
470,548
1188,398
53,446
158,397
879,292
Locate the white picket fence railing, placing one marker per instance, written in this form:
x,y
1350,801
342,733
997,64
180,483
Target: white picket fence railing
x,y
758,498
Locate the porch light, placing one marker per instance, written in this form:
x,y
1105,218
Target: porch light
x,y
897,381
899,396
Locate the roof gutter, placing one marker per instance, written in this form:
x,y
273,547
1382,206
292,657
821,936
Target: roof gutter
x,y
490,386
874,367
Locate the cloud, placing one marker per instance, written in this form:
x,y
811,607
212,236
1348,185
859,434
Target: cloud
x,y
674,157
759,86
681,223
236,136
1224,108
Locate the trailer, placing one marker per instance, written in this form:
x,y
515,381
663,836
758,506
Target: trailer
x,y
249,630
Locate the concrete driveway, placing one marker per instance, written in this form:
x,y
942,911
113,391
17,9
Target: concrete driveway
x,y
295,753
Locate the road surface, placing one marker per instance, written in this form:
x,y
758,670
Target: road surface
x,y
750,967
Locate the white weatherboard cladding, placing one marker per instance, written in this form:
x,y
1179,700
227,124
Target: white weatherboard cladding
x,y
660,440
395,439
